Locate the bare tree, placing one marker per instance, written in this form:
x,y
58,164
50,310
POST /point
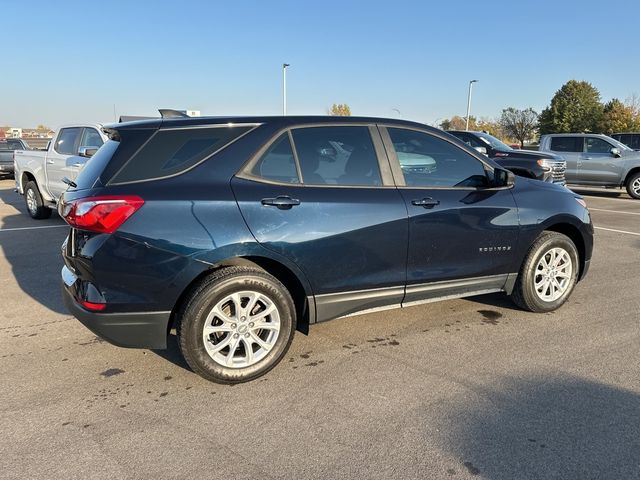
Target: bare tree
x,y
519,124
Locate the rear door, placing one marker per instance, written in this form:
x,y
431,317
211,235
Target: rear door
x,y
60,158
462,234
323,197
598,165
570,148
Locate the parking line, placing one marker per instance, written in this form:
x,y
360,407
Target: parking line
x,y
31,228
617,231
613,211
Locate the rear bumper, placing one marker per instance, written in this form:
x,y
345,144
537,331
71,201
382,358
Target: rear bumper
x,y
130,330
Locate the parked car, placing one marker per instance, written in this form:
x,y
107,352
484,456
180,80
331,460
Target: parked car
x,y
596,160
547,167
42,176
236,231
7,147
631,140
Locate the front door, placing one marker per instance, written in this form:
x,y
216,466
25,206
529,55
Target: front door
x,y
323,198
60,158
598,166
462,234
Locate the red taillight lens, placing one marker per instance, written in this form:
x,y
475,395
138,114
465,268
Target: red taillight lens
x,y
101,214
92,306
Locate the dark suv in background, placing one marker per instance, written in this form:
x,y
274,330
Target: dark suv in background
x,y
525,163
631,140
237,231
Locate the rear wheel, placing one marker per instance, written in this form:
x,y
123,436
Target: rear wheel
x,y
633,186
548,275
236,325
34,202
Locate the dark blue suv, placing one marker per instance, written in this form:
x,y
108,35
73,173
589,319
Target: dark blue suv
x,y
235,232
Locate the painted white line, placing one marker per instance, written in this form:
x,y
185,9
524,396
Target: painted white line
x,y
612,199
31,228
614,211
617,231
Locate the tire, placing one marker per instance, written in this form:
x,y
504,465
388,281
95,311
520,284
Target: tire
x,y
534,289
213,304
633,186
34,203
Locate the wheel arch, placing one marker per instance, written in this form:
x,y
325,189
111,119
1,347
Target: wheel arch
x,y
630,174
575,235
293,280
25,178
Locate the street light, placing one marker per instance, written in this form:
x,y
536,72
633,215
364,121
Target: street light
x,y
284,88
469,103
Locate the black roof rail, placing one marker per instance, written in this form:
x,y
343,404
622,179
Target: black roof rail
x,y
170,113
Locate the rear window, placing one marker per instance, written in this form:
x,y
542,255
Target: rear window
x,y
10,145
567,144
171,152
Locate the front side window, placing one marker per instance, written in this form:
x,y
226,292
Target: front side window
x,y
566,144
91,138
277,163
342,155
597,145
66,143
429,161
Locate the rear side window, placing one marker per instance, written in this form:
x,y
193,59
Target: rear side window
x,y
171,152
342,155
566,144
278,163
67,141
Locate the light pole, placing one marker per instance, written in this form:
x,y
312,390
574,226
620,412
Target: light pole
x,y
284,88
469,103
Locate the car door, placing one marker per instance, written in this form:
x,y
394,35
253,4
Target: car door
x,y
60,158
334,212
462,233
569,148
598,165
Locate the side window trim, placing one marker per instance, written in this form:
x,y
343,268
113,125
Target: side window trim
x,y
292,144
395,163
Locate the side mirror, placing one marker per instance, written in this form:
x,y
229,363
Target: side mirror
x,y
87,152
482,150
615,152
503,178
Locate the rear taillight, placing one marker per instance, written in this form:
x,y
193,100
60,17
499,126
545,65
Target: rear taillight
x,y
100,214
96,307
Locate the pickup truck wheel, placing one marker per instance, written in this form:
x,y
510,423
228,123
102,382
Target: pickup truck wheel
x,y
34,202
236,325
548,274
633,186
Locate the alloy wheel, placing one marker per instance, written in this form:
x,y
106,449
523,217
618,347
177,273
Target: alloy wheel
x,y
553,274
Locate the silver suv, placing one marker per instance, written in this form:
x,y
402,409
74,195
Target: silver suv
x,y
596,160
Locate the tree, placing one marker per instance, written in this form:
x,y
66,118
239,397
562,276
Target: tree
x,y
492,127
617,117
42,127
458,123
574,108
519,124
340,110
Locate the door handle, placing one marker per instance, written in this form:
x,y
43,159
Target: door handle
x,y
50,161
425,202
77,165
283,202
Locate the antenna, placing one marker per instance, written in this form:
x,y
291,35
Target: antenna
x,y
170,113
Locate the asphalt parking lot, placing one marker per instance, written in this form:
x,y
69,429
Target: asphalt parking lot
x,y
470,388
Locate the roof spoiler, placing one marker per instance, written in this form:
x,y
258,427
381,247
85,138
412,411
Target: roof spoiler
x,y
170,113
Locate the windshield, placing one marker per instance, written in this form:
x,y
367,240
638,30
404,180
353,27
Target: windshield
x,y
494,142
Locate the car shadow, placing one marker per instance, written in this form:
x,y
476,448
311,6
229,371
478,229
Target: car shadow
x,y
501,300
547,426
172,353
612,193
33,255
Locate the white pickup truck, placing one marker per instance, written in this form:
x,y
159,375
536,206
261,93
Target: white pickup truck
x,y
39,174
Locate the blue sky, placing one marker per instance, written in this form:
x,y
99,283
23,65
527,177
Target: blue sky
x,y
72,61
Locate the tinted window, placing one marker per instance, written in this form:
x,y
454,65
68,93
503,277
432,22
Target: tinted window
x,y
597,145
566,144
91,138
428,161
337,156
66,143
277,163
170,152
635,142
10,145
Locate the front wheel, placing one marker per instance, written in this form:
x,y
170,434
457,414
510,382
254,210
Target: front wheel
x,y
34,202
236,325
633,186
548,275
